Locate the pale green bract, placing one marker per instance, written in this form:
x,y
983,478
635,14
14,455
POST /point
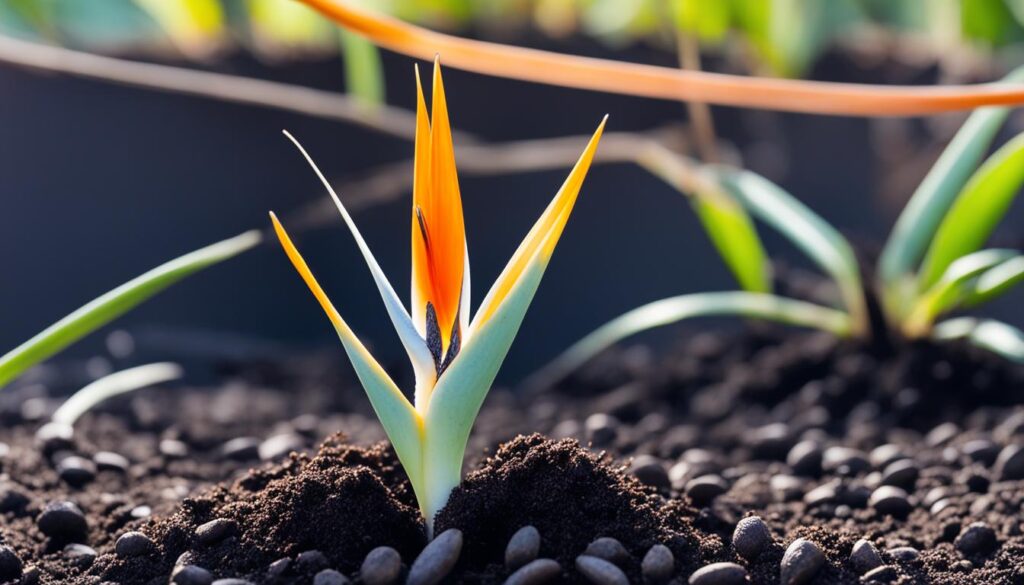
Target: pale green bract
x,y
112,385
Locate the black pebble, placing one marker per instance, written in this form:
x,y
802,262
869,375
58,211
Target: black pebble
x,y
602,429
535,572
330,577
750,537
382,566
890,500
805,458
906,554
522,548
64,521
901,473
76,471
719,574
981,451
880,575
1009,464
12,498
241,448
191,575
10,564
658,565
704,489
650,471
173,449
132,544
279,567
844,461
802,561
215,531
80,554
864,556
977,538
609,549
599,571
53,437
311,561
279,446
437,559
232,582
110,461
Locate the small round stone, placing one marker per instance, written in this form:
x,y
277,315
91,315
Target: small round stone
x,y
437,559
942,434
76,471
215,531
883,455
53,437
173,449
609,549
805,458
981,450
650,471
890,500
825,493
1009,464
844,460
279,567
10,564
191,575
110,461
601,429
977,538
241,448
801,562
382,566
905,554
880,575
80,554
139,512
704,489
864,556
901,473
279,446
750,537
330,577
233,582
311,561
522,548
535,572
132,544
719,574
64,521
599,571
12,497
658,565
786,488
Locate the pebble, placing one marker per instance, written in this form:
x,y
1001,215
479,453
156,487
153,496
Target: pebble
x,y
942,434
981,450
600,571
883,455
825,493
786,488
173,449
650,471
132,544
1010,463
522,548
53,437
382,566
139,512
330,577
535,573
976,538
890,500
437,559
864,556
10,564
215,531
233,582
658,565
279,446
110,461
609,549
279,567
802,561
901,473
704,489
241,448
80,554
751,537
771,441
601,429
31,576
63,520
805,458
76,471
719,574
906,554
844,460
880,575
12,497
191,575
311,561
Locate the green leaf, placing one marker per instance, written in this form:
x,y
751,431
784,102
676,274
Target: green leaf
x,y
733,234
995,336
364,77
194,25
708,19
979,207
952,289
808,231
112,385
117,302
996,281
674,309
923,214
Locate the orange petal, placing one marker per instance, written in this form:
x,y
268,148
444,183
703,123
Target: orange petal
x,y
421,282
664,82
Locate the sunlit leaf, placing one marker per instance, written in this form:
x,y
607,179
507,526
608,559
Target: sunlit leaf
x,y
994,336
112,385
736,239
708,19
195,26
364,75
997,281
115,303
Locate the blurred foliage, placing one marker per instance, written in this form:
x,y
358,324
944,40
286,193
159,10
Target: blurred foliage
x,y
777,37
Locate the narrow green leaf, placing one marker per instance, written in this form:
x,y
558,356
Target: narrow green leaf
x,y
996,281
979,207
920,219
990,335
733,234
808,231
708,19
112,385
115,303
674,309
364,77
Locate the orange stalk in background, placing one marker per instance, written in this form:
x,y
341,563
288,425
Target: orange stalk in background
x,y
812,97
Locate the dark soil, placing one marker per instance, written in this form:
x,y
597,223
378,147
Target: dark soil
x,y
764,413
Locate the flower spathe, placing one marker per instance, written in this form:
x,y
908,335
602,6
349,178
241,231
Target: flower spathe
x,y
455,358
